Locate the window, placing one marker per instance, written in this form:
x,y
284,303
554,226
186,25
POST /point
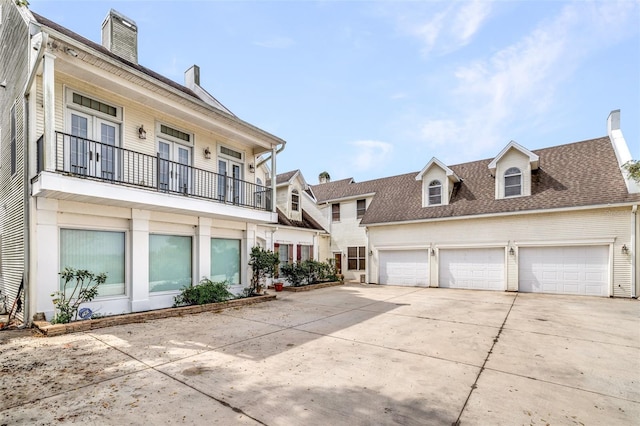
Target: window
x,y
170,262
97,252
435,193
91,148
225,260
295,200
361,208
356,258
335,212
304,253
174,160
285,253
512,182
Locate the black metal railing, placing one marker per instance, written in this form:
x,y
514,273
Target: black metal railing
x,y
91,159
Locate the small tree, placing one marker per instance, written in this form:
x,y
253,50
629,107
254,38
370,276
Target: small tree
x,y
264,263
85,289
633,168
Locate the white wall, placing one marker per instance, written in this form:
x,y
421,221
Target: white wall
x,y
584,226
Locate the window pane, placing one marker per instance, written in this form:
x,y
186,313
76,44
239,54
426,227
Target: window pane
x,y
335,212
169,262
97,252
225,260
352,251
353,264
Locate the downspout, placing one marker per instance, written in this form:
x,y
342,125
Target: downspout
x,y
264,160
634,254
26,313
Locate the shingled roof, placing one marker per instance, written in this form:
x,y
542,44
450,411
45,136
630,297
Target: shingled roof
x,y
573,175
307,221
100,48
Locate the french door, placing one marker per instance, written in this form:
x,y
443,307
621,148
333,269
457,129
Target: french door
x,y
92,146
174,167
229,181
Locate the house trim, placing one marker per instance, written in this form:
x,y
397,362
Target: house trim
x,y
499,214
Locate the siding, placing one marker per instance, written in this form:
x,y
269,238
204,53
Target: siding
x,y
14,67
552,228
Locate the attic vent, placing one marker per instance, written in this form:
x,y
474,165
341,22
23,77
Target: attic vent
x,y
120,36
230,152
95,105
175,133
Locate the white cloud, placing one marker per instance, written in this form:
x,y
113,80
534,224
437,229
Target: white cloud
x,y
369,154
276,42
519,83
447,29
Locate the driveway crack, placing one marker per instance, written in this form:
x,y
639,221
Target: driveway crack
x,y
475,383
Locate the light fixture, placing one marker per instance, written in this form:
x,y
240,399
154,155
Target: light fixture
x,y
512,252
207,153
142,134
252,168
625,249
370,252
433,252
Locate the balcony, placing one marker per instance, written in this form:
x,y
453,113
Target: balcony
x,y
92,160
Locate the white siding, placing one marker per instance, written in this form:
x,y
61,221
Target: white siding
x,y
558,228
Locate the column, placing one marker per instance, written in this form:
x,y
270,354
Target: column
x,y
203,248
49,107
140,260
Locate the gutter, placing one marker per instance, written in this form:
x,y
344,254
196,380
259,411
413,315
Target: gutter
x,y
282,145
26,313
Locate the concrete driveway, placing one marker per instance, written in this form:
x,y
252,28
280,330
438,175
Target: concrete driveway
x,y
343,355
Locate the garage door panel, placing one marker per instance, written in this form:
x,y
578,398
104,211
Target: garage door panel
x,y
580,270
477,269
404,267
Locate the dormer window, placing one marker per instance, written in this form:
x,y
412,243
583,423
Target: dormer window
x,y
512,182
295,200
435,193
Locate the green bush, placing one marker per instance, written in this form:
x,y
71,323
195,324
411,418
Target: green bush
x,y
264,263
67,301
206,291
308,272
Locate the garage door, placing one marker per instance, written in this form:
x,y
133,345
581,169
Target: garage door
x,y
582,270
404,267
477,269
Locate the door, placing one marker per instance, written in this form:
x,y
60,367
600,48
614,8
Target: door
x,y
92,146
337,258
230,186
404,267
105,156
78,148
579,270
174,167
475,269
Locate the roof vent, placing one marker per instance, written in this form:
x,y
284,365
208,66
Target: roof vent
x,y
120,36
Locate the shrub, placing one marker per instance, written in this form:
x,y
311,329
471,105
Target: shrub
x,y
85,289
206,291
264,263
308,272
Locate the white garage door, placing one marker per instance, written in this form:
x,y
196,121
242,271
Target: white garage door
x,y
404,267
477,269
582,270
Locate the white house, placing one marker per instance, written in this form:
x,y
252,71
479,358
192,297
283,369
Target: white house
x,y
556,220
109,166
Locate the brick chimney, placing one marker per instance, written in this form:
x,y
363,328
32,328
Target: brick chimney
x,y
120,36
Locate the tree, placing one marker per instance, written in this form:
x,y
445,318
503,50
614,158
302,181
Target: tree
x,y
264,263
633,168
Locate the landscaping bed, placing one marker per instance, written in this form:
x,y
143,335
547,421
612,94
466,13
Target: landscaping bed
x,y
309,287
48,329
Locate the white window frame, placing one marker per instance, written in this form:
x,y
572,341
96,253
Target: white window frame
x,y
510,173
295,200
433,185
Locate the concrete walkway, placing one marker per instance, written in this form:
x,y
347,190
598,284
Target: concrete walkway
x,y
350,355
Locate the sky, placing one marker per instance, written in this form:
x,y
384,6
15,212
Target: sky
x,y
370,89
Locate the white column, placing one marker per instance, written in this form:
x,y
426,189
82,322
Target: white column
x,y
273,180
49,105
248,241
140,260
46,246
203,248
